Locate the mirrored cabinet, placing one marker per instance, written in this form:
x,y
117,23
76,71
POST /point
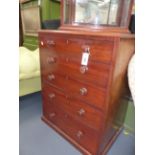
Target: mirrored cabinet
x,y
97,13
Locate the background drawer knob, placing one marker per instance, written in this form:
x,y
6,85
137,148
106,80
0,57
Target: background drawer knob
x,y
83,91
51,115
51,96
50,42
79,134
51,77
81,112
51,60
83,69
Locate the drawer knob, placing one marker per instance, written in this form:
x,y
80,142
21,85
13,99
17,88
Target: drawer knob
x,y
83,91
51,77
51,96
79,134
50,42
81,112
52,115
83,69
51,60
42,43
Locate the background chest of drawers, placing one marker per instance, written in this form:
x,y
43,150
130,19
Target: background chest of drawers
x,y
81,102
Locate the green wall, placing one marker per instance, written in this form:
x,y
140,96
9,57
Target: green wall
x,y
30,42
129,122
49,10
126,115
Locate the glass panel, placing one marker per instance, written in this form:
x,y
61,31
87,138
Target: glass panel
x,y
67,7
113,13
92,11
96,12
125,13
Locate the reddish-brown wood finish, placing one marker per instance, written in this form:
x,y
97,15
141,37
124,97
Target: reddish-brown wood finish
x,y
94,73
73,89
74,107
83,104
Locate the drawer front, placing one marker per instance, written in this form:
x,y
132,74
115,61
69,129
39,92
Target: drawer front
x,y
100,49
79,110
93,73
83,135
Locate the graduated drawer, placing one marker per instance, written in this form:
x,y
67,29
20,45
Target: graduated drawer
x,y
100,49
96,73
77,109
80,133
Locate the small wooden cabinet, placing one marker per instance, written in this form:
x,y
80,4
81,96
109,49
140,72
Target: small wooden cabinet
x,y
83,80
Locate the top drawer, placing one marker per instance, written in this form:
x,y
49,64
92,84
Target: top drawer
x,y
100,49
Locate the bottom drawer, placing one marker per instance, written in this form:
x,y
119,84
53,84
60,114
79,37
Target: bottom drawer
x,y
83,135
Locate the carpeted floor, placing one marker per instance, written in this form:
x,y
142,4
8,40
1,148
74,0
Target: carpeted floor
x,y
36,138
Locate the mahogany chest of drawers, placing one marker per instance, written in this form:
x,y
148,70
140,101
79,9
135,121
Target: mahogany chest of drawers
x,y
82,102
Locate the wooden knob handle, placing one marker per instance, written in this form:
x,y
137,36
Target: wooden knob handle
x,y
51,96
51,42
81,112
51,115
83,69
79,134
51,77
51,60
83,91
41,43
